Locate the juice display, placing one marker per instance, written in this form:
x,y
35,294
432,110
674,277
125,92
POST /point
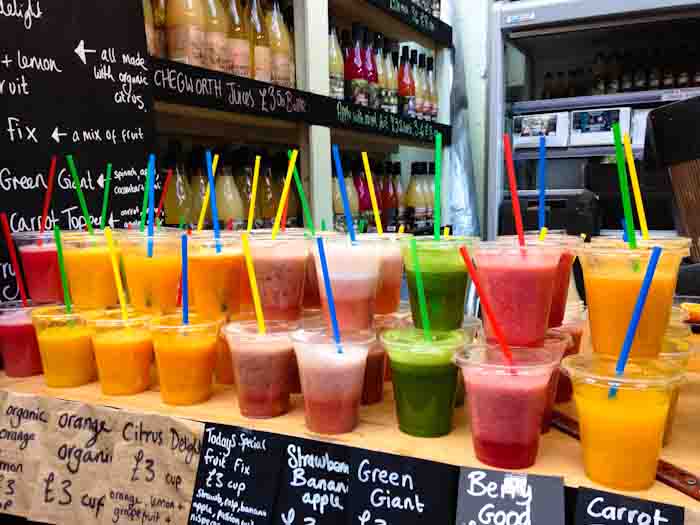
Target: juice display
x,y
37,252
66,347
260,53
390,272
280,45
216,53
18,343
356,83
238,40
185,356
89,270
186,25
336,63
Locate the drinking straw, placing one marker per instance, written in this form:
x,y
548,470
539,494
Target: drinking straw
x,y
116,272
257,304
361,226
635,187
446,232
401,229
372,195
13,257
151,201
105,199
79,191
624,188
285,192
541,182
283,222
302,197
636,316
485,303
343,192
181,224
422,304
166,185
212,191
47,196
251,208
207,192
329,293
323,225
183,283
510,169
438,186
543,233
62,269
144,206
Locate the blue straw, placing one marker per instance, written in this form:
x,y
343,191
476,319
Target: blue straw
x,y
152,200
636,316
212,200
343,192
329,293
542,183
185,295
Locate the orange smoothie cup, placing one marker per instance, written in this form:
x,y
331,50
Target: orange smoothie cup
x,y
123,351
89,270
186,356
65,346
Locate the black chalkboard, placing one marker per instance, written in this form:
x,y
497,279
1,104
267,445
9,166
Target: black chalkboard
x,y
237,478
73,80
595,507
390,489
409,13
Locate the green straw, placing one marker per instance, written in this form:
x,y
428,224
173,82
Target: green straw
x,y
361,226
323,225
144,206
105,199
79,191
624,187
302,196
422,304
181,226
437,207
62,269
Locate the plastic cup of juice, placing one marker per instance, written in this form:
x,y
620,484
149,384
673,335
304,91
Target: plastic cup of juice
x,y
445,280
613,277
89,270
18,343
506,402
40,263
185,356
575,323
621,436
123,351
390,271
689,310
473,330
312,297
519,284
331,379
425,379
354,273
559,342
400,319
677,352
65,345
261,364
152,281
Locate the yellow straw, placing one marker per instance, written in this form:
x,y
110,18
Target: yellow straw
x,y
253,193
372,195
446,232
635,187
583,236
543,233
401,229
285,192
205,204
116,272
253,283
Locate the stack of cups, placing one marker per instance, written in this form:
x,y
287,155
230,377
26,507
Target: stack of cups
x,y
89,270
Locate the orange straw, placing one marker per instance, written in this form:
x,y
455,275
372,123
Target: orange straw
x,y
510,168
13,257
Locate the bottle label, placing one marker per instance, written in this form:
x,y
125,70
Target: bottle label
x,y
337,86
217,57
374,100
407,106
420,107
239,53
358,91
263,63
280,69
427,109
186,44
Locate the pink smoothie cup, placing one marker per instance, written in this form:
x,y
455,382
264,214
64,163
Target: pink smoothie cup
x,y
40,262
559,342
18,343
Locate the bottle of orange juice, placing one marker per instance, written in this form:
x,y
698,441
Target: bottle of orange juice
x,y
260,55
279,45
238,41
186,25
216,55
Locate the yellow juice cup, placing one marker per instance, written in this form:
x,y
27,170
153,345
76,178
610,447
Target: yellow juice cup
x,y
123,351
621,436
186,356
613,277
152,281
89,270
65,346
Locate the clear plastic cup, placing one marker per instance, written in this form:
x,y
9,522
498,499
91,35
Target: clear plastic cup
x,y
390,271
519,284
37,252
123,351
186,356
65,345
312,297
613,277
670,242
263,366
425,379
18,343
575,323
621,436
354,274
560,342
689,306
473,333
506,402
677,352
331,380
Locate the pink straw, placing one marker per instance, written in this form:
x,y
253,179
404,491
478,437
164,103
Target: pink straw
x,y
13,257
510,168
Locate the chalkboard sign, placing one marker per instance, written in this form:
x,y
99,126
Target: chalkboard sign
x,y
595,507
237,478
486,497
389,489
73,80
409,13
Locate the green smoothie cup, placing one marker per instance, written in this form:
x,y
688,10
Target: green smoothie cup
x,y
445,279
424,377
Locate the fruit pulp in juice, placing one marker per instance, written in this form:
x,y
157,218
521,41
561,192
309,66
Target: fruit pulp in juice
x,y
446,291
354,297
215,283
152,281
124,359
41,272
90,277
280,278
67,356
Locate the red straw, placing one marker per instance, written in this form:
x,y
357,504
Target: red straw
x,y
510,168
47,196
230,224
162,195
284,215
13,257
487,306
